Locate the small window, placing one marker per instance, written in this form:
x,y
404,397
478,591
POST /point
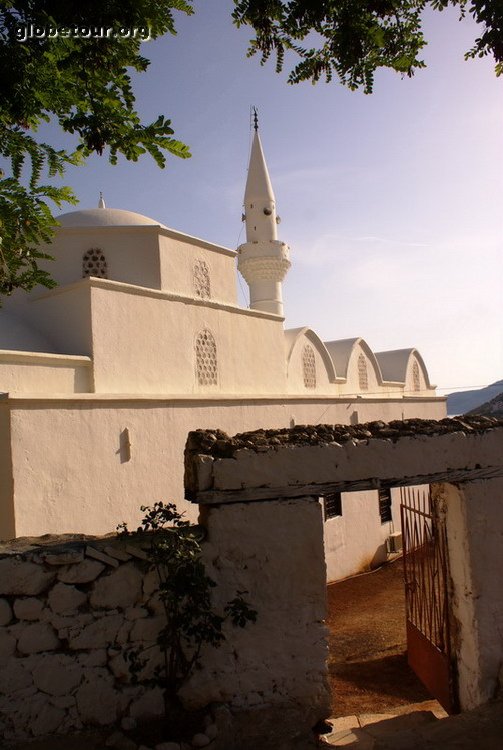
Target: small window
x,y
94,263
202,285
385,505
332,505
309,366
363,378
206,359
416,380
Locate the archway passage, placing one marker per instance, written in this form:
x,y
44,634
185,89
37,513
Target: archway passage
x,y
368,669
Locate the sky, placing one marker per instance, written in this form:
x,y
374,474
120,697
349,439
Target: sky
x,y
390,202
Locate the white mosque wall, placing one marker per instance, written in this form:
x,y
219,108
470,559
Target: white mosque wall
x,y
149,344
184,263
310,368
60,486
363,374
66,312
416,379
131,254
30,372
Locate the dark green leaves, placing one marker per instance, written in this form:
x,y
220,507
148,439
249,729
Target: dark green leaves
x,y
354,38
82,83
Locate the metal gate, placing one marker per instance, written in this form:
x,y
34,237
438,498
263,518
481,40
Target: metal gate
x,y
426,595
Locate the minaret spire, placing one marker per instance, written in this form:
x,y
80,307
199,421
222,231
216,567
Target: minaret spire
x,y
101,202
263,260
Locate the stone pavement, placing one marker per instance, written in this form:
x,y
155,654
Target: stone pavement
x,y
421,729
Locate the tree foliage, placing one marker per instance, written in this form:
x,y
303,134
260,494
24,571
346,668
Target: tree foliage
x,y
84,85
353,38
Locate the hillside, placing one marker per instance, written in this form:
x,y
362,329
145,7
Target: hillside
x,y
464,402
492,408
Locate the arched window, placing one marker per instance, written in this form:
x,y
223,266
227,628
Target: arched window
x,y
201,275
363,378
206,359
94,263
309,366
416,380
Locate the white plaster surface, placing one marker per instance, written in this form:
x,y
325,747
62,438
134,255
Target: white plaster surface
x,y
274,552
44,373
61,486
474,513
356,540
367,460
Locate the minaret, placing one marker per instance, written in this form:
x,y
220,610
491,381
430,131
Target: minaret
x,y
101,203
263,260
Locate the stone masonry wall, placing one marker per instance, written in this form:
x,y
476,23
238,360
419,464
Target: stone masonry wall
x,y
68,612
71,608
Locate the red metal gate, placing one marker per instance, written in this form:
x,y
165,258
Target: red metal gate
x,y
426,595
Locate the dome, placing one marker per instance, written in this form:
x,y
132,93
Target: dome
x,y
106,217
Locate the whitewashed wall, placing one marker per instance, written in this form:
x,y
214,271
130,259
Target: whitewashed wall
x,y
59,485
31,372
356,540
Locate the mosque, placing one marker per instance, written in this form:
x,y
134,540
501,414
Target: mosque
x,y
143,340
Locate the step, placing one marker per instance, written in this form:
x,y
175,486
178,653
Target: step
x,y
362,731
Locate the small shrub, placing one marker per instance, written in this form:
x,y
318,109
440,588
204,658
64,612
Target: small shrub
x,y
185,592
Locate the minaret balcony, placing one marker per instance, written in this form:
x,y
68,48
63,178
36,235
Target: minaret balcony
x,y
265,260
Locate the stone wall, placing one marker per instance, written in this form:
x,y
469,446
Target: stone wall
x,y
68,612
71,608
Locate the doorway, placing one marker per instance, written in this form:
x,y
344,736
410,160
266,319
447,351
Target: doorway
x,y
368,669
389,638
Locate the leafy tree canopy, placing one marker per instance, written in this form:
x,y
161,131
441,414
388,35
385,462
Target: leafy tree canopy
x,y
353,38
82,82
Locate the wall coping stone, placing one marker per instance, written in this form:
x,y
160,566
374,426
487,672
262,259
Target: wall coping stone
x,y
218,444
68,549
219,468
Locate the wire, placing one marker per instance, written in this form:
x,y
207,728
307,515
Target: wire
x,y
463,387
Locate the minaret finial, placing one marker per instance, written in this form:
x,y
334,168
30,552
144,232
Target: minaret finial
x,y
101,203
255,118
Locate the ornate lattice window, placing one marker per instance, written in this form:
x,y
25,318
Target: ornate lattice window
x,y
309,366
416,380
363,377
94,263
206,359
202,279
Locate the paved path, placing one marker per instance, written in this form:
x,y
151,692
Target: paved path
x,y
423,729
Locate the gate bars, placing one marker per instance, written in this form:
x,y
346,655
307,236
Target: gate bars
x,y
425,559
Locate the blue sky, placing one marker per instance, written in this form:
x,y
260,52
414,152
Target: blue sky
x,y
391,203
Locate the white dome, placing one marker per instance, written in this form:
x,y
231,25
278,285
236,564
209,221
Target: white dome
x,y
106,217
